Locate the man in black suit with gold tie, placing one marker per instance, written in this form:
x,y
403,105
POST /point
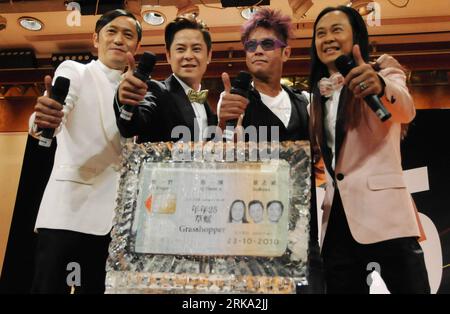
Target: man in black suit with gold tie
x,y
160,107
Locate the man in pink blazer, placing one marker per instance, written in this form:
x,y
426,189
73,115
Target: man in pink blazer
x,y
369,172
369,220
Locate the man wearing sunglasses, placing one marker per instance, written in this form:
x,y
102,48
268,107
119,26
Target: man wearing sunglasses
x,y
265,37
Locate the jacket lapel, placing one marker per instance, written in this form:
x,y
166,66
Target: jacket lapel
x,y
298,109
326,153
105,97
340,133
262,115
325,150
212,118
182,102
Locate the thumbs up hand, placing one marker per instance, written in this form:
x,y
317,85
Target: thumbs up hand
x,y
131,90
230,106
48,112
363,80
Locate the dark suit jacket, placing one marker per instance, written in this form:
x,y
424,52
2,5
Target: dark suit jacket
x,y
165,106
257,114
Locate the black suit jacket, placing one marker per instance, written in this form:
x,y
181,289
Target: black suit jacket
x,y
257,114
165,107
339,131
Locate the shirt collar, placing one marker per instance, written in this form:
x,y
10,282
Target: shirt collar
x,y
114,76
186,87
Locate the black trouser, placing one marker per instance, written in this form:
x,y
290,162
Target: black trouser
x,y
57,248
346,262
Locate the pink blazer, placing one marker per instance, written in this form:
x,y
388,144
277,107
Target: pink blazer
x,y
376,201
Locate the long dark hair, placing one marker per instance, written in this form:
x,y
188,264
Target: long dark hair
x,y
360,37
320,70
353,113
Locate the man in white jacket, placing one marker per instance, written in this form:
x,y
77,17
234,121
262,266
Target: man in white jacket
x,y
77,209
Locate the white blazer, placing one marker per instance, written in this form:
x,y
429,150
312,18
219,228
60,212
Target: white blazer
x,y
81,191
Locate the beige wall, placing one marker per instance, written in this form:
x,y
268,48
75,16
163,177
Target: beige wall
x,y
12,148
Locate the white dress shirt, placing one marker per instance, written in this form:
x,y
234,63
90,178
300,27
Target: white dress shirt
x,y
114,76
280,105
330,115
199,109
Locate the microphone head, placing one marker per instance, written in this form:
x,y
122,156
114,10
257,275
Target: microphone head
x,y
60,89
344,64
243,81
146,63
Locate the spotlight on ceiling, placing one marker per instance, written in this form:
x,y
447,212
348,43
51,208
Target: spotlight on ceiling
x,y
30,23
152,16
300,7
247,13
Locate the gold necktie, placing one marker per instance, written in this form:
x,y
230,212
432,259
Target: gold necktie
x,y
199,97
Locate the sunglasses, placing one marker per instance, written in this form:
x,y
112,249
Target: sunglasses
x,y
267,44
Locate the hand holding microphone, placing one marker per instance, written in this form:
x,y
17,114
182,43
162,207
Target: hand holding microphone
x,y
48,108
133,88
234,101
363,81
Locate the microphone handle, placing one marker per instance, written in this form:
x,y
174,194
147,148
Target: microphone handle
x,y
375,104
230,125
127,110
46,137
239,91
344,65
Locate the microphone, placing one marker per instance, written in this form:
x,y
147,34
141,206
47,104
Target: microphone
x,y
241,86
142,72
58,93
345,64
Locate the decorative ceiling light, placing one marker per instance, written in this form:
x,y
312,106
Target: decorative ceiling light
x,y
3,23
30,23
247,13
300,7
152,16
364,7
